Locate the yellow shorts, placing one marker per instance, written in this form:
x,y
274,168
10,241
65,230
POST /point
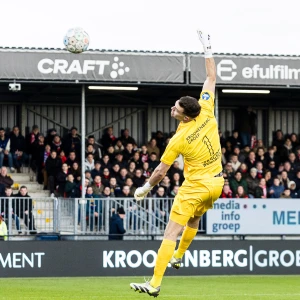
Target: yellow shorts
x,y
195,198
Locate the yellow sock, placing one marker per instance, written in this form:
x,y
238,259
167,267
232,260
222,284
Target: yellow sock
x,y
185,241
164,255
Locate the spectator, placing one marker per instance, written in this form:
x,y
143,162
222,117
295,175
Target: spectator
x,y
50,136
294,193
276,189
38,157
268,178
131,169
152,148
252,182
88,176
235,139
260,170
57,144
128,152
31,140
271,156
125,192
174,191
224,156
119,147
125,138
52,166
261,190
294,140
4,207
105,162
228,171
89,162
244,170
237,181
17,148
251,160
61,179
115,172
71,188
105,177
278,141
91,141
97,170
284,180
116,225
146,171
75,170
108,138
73,142
41,165
235,163
175,180
120,161
222,139
175,168
297,180
241,193
132,188
272,168
111,153
97,186
288,168
241,156
25,207
91,150
138,179
5,150
286,149
295,166
260,154
286,194
3,229
107,193
166,184
226,192
6,180
62,156
136,159
93,209
121,178
260,144
144,155
161,205
114,187
72,158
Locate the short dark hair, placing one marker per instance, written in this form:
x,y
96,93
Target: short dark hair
x,y
190,105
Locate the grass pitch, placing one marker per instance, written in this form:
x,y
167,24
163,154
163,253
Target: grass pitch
x,y
186,288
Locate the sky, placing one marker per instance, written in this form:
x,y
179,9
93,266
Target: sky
x,y
235,26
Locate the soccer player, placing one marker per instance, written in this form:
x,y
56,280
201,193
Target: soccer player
x,y
197,140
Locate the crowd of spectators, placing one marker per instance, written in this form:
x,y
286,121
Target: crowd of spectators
x,y
259,171
115,165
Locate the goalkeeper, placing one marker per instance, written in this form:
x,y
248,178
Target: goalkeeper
x,y
197,140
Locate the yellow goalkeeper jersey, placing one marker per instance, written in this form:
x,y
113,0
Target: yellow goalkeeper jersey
x,y
199,143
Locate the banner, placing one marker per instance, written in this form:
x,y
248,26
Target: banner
x,y
259,70
137,258
254,216
92,66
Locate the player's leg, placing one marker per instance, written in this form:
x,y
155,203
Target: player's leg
x,y
164,255
186,239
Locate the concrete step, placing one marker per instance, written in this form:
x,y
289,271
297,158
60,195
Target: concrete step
x,y
39,194
21,177
31,186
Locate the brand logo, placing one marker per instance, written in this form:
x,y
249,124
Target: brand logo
x,y
225,69
205,96
242,258
21,260
63,66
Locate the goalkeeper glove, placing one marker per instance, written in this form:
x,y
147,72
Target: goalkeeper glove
x,y
205,40
141,192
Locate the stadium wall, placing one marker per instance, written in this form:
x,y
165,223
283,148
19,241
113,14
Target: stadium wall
x,y
136,258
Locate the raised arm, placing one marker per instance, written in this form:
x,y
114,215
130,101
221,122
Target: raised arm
x,y
210,82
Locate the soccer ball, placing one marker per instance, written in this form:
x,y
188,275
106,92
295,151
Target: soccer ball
x,y
76,40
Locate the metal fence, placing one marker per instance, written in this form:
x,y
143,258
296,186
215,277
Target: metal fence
x,y
89,216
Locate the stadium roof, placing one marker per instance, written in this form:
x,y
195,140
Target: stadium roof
x,y
143,51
